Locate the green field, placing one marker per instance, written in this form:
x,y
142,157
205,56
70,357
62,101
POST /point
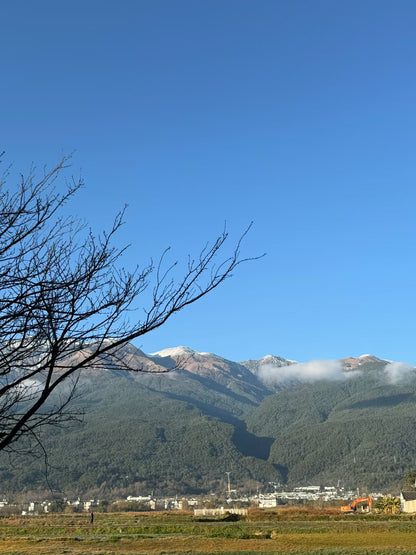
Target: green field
x,y
262,532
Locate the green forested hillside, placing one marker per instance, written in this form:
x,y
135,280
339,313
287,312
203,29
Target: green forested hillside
x,y
173,433
182,431
360,432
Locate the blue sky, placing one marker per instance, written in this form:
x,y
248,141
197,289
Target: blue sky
x,y
299,115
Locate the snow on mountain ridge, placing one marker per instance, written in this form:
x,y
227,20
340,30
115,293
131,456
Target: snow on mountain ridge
x,y
268,358
182,350
176,351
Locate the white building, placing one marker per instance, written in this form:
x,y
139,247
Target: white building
x,y
265,502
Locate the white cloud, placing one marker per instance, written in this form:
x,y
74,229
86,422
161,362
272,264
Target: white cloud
x,y
303,371
397,372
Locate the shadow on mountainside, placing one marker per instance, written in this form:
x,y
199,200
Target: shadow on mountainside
x,y
247,443
385,401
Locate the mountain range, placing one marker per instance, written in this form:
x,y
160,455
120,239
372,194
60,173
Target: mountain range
x,y
180,419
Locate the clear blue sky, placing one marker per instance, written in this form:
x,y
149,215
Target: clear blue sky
x,y
297,114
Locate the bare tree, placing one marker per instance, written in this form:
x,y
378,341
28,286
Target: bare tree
x,y
65,299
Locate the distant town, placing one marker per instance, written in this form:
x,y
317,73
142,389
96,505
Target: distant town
x,y
230,502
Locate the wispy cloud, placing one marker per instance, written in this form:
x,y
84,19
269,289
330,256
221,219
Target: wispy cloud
x,y
399,372
303,371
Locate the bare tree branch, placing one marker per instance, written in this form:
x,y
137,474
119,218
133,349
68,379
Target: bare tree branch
x,y
65,300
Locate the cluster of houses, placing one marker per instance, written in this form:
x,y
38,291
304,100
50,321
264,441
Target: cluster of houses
x,y
234,503
201,506
35,507
311,494
164,503
301,494
297,495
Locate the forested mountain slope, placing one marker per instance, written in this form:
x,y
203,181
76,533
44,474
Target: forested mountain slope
x,y
352,421
360,431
